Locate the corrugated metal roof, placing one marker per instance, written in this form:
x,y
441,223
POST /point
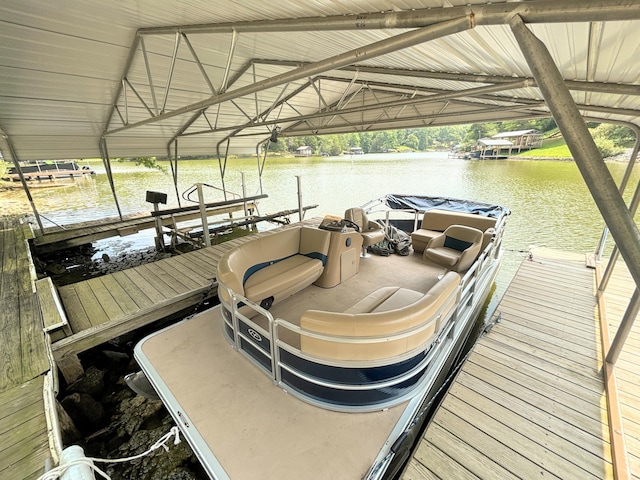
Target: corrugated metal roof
x,y
142,73
492,142
515,133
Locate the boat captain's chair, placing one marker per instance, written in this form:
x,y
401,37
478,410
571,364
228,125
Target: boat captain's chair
x,y
370,231
456,248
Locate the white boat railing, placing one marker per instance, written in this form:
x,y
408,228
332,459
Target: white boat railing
x,y
265,339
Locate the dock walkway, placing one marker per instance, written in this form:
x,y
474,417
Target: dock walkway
x,y
105,307
530,400
24,376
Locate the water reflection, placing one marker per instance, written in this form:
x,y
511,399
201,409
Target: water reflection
x,y
550,203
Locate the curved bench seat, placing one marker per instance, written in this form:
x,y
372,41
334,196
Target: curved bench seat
x,y
274,266
397,320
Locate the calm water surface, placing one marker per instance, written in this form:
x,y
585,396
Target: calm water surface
x,y
550,203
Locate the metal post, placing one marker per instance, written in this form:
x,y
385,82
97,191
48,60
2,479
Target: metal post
x,y
159,232
107,166
625,327
633,208
16,162
623,185
244,196
203,216
300,211
585,153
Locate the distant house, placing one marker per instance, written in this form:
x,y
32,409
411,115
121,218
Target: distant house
x,y
521,139
504,144
493,148
304,151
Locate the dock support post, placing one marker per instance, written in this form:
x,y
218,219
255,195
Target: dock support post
x,y
583,149
203,216
623,184
300,210
624,329
633,208
244,195
70,367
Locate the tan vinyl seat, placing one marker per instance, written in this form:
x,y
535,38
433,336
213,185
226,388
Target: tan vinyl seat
x,y
456,248
371,232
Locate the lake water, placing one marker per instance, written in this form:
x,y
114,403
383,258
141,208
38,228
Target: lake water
x,y
550,203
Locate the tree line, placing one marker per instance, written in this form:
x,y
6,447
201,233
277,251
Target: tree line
x,y
461,137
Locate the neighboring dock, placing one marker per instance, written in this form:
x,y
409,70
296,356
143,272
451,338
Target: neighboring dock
x,y
530,400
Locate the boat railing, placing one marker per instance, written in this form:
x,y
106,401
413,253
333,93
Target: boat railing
x,y
273,345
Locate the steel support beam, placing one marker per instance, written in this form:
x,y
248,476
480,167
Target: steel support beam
x,y
578,85
624,329
633,208
555,11
623,185
16,163
585,153
107,166
376,49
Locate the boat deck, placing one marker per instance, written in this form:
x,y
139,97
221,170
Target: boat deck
x,y
530,399
24,436
347,443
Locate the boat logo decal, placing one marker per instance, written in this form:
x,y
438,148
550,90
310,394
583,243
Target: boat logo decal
x,y
256,336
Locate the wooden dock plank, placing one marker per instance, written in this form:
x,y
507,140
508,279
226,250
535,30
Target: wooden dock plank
x,y
33,350
11,371
538,445
121,296
547,428
477,438
530,398
135,292
156,277
144,284
105,299
24,443
560,399
174,270
90,303
204,270
76,314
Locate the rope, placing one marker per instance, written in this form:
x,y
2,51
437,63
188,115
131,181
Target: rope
x,y
58,471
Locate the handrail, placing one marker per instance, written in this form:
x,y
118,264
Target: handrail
x,y
171,211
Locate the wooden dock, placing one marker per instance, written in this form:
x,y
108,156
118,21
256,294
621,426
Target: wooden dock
x,y
25,376
102,308
57,238
530,400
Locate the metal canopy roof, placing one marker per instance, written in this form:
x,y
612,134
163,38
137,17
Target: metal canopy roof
x,y
222,75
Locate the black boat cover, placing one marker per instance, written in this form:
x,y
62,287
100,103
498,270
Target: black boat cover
x,y
423,203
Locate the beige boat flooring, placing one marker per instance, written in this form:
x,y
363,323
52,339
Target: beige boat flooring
x,y
233,403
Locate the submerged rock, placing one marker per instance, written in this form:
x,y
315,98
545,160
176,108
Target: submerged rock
x,y
87,414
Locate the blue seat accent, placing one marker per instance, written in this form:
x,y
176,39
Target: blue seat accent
x,y
317,256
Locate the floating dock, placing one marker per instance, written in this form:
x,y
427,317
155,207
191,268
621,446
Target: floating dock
x,y
530,401
26,432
